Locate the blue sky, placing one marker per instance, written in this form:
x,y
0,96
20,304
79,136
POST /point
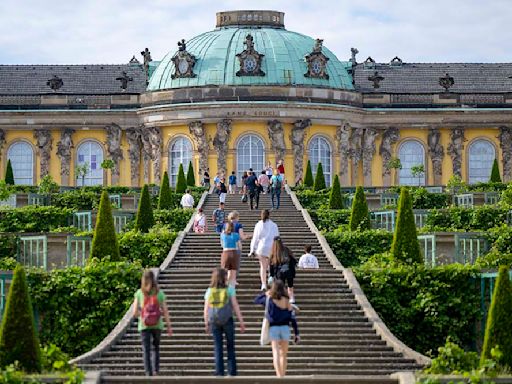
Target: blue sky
x,y
111,31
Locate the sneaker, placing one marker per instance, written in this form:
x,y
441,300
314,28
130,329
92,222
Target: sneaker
x,y
292,300
263,287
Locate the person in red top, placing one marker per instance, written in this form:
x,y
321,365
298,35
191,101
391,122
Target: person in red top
x,y
280,167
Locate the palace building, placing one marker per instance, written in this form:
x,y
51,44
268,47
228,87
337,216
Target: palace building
x,y
250,92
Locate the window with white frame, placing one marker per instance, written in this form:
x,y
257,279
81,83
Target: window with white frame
x,y
90,153
180,152
319,151
411,153
481,158
21,155
250,153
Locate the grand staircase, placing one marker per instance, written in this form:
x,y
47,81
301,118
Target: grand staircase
x,y
337,337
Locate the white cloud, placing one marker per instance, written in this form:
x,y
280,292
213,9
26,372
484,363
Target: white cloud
x,y
111,31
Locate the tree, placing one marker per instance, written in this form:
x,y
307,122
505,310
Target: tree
x,y
165,198
9,175
181,182
319,178
405,245
48,185
335,198
108,164
191,180
308,179
18,335
498,330
145,219
81,171
359,217
104,242
418,171
396,164
495,173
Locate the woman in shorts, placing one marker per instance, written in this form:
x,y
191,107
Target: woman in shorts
x,y
230,259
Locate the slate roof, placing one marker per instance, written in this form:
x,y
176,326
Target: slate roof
x,y
424,78
78,79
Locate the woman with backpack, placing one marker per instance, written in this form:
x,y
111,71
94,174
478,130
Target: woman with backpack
x,y
219,304
261,244
282,265
148,306
279,313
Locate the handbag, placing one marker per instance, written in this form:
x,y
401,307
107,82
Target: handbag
x,y
265,326
244,198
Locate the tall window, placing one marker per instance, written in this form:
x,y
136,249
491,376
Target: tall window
x,y
250,153
21,155
180,152
319,151
481,157
90,153
411,153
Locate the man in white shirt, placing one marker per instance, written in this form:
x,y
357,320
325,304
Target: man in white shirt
x,y
187,201
308,261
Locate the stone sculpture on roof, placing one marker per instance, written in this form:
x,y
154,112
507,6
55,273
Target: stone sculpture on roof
x,y
446,82
55,83
220,143
297,136
317,62
64,151
44,148
124,79
276,135
376,79
250,59
183,62
147,59
353,53
198,132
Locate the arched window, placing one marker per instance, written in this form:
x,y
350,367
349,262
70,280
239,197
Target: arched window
x,y
319,151
180,152
250,153
90,153
411,153
481,157
21,155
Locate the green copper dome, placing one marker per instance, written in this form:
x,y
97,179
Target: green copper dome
x,y
283,63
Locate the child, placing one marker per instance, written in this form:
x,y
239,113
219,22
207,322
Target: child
x,y
200,222
308,261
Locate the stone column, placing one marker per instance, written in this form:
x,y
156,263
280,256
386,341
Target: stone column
x,y
369,149
133,135
297,139
436,153
276,135
356,152
343,144
455,150
220,143
198,132
505,138
389,138
64,149
114,150
44,148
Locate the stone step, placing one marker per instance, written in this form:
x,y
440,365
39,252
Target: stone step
x,y
190,351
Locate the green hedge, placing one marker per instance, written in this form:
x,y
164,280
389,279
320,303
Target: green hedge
x,y
500,253
80,199
310,199
89,302
7,246
422,306
469,219
175,219
33,218
354,248
329,219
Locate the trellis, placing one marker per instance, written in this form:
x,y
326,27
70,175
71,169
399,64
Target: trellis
x,y
33,251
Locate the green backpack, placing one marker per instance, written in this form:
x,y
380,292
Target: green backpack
x,y
219,307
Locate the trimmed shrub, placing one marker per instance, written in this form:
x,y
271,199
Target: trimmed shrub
x,y
175,219
165,198
360,217
422,199
335,198
191,179
329,220
308,178
9,175
319,178
145,219
181,182
33,218
498,330
406,247
313,200
495,173
452,358
104,242
18,338
354,248
78,199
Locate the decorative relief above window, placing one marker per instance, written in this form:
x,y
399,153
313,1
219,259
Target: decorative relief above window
x,y
317,62
250,59
183,62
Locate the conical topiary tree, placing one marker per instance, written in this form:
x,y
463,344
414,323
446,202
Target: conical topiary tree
x,y
18,335
495,173
335,199
165,198
9,175
181,182
145,219
308,179
191,180
405,245
359,217
104,242
498,330
319,178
